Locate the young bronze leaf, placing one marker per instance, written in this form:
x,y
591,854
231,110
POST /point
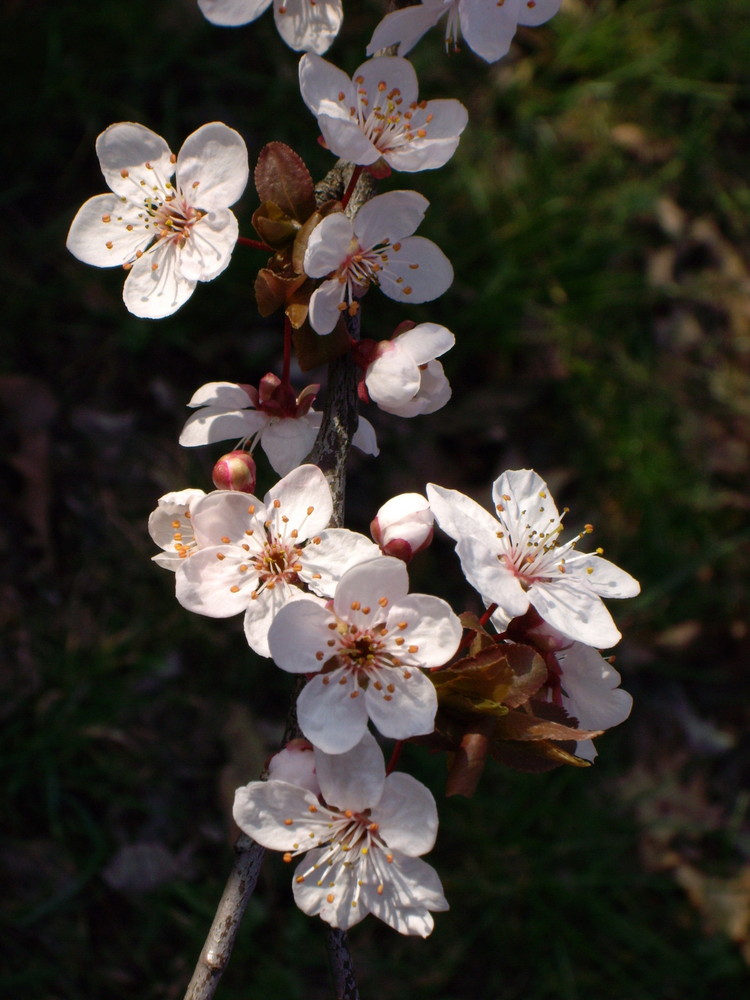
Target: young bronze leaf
x,y
534,758
312,349
529,673
282,177
270,292
274,226
469,760
522,726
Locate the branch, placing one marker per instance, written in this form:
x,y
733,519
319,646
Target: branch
x,y
342,967
220,940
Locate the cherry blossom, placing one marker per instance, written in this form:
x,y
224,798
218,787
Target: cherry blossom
x,y
170,526
303,24
488,26
168,235
376,114
367,652
520,562
404,378
285,426
256,556
403,526
376,247
362,838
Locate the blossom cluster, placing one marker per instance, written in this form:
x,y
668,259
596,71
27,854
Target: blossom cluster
x,y
325,603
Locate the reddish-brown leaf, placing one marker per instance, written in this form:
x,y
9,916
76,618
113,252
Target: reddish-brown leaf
x,y
282,177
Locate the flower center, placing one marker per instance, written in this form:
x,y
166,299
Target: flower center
x,y
174,218
278,562
385,123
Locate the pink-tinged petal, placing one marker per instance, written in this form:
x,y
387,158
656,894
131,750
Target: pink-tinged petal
x,y
123,150
212,167
364,438
404,705
392,379
390,216
488,575
331,711
300,502
535,12
344,138
262,808
328,246
208,249
211,425
375,584
418,272
573,609
459,515
324,310
524,500
299,635
211,583
330,554
431,626
230,13
154,287
288,440
295,764
337,905
591,687
307,26
426,342
396,73
99,235
225,395
261,612
602,576
406,815
488,28
405,27
223,517
434,392
320,84
353,780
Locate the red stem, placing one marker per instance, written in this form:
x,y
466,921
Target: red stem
x,y
287,351
394,756
254,243
351,185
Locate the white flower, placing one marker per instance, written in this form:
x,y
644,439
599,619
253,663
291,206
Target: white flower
x,y
404,378
256,556
520,561
167,234
584,683
363,836
286,429
376,247
403,526
170,526
367,652
488,26
376,114
303,24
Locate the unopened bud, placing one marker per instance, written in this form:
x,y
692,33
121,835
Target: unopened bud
x,y
403,526
235,471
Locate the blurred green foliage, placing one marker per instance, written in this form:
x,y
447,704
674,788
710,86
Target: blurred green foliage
x,y
596,214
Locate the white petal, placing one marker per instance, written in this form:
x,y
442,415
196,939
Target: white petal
x,y
125,148
405,27
154,287
261,807
404,705
230,13
331,902
522,500
591,686
397,74
298,637
212,167
390,216
330,554
300,502
344,138
374,584
223,516
364,438
307,26
208,249
418,272
602,576
488,28
534,12
107,244
225,395
410,890
209,425
321,81
354,780
393,378
406,815
210,582
426,342
573,609
331,711
459,515
328,245
433,393
261,612
431,626
487,574
288,440
324,310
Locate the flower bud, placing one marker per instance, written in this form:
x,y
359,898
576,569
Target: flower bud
x,y
403,526
235,471
295,764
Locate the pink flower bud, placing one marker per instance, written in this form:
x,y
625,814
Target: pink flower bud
x,y
235,471
403,526
295,764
